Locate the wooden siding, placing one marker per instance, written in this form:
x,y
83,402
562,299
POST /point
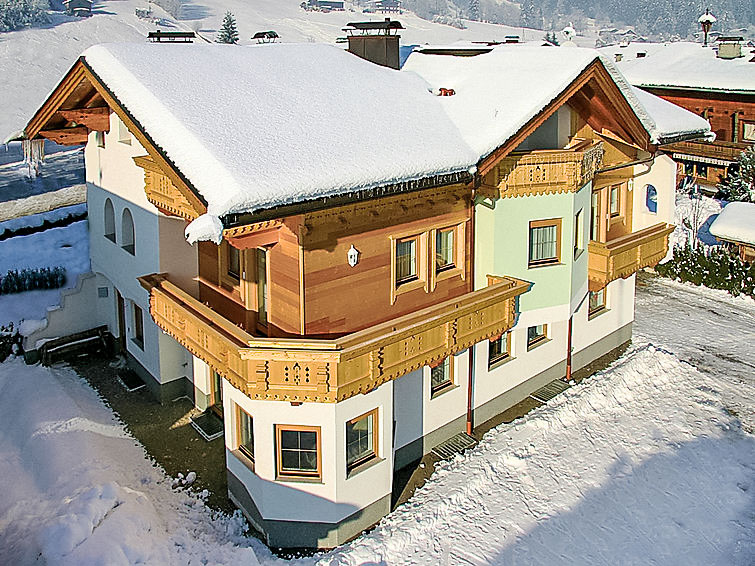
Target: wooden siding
x,y
340,298
332,370
626,255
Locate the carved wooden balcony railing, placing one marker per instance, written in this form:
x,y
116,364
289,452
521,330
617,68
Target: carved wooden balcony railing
x,y
725,151
626,255
332,370
545,171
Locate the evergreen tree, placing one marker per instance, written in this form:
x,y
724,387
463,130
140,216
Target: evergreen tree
x,y
228,32
474,10
532,16
740,183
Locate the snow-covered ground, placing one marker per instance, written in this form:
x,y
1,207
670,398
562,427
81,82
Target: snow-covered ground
x,y
652,461
67,246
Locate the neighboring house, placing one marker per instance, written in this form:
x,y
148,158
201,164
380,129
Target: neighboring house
x,y
716,82
78,7
351,286
735,226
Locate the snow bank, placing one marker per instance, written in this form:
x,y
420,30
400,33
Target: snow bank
x,y
255,127
736,223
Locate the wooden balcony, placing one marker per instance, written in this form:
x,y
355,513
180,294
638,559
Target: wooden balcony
x,y
626,255
546,171
720,150
332,370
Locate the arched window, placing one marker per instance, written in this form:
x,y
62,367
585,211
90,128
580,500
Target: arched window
x,y
651,198
127,232
109,221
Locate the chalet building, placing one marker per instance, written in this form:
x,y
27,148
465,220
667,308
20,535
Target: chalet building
x,y
716,82
351,283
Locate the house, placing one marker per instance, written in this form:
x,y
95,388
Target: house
x,y
735,226
350,285
716,82
81,8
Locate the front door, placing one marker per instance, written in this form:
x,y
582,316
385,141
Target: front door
x,y
217,394
121,305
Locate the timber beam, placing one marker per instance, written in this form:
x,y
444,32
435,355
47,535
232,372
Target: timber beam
x,y
67,136
97,119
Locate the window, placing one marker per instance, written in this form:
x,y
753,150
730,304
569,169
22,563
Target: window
x,y
245,433
748,131
234,262
406,260
138,337
614,199
499,349
441,376
536,335
651,199
578,243
444,249
127,232
109,220
361,440
99,138
701,169
545,242
595,216
689,168
298,451
217,393
124,136
262,286
597,302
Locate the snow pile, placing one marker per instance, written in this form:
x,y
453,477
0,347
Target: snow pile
x,y
260,126
736,223
683,64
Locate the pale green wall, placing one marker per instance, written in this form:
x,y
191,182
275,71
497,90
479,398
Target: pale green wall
x,y
502,244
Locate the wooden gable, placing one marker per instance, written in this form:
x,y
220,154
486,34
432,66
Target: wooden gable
x,y
82,103
598,101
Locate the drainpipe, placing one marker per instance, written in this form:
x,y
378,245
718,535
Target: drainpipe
x,y
568,350
735,127
470,361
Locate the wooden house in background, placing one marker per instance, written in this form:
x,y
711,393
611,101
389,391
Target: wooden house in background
x,y
82,8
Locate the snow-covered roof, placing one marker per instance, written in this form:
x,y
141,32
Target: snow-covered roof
x,y
256,127
684,65
736,223
497,93
259,126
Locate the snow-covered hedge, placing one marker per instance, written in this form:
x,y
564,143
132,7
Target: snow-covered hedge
x,y
9,340
712,267
18,281
16,14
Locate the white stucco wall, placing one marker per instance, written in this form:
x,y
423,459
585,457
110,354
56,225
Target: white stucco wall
x,y
662,175
335,496
159,246
619,312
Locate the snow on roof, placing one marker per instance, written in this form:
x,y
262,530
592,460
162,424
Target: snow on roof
x,y
253,127
495,94
707,18
683,65
735,223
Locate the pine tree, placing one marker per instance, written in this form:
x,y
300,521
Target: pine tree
x,y
228,32
532,16
474,10
740,183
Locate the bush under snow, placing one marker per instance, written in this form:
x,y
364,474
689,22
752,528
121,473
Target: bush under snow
x,y
15,14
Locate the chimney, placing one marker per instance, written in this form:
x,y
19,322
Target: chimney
x,y
375,41
729,47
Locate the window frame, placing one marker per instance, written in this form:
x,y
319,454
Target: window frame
x,y
109,214
448,384
745,124
556,260
421,253
503,356
611,212
283,475
137,325
262,291
579,240
457,268
599,309
415,276
354,466
125,245
241,447
648,199
539,339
